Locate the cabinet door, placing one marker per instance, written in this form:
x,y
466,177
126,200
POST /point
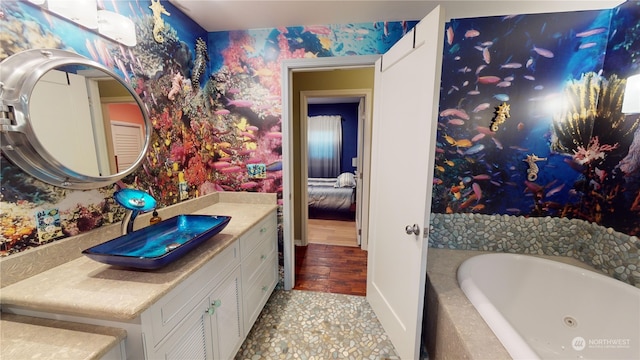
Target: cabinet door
x,y
162,318
226,320
192,339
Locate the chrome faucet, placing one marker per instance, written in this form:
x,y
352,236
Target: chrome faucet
x,y
136,202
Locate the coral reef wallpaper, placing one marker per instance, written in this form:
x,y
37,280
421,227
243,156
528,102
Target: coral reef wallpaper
x,y
214,101
530,117
550,85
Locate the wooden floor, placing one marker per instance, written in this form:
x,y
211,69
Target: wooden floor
x,y
332,232
330,268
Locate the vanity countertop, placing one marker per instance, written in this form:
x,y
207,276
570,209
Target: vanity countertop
x,y
26,337
86,288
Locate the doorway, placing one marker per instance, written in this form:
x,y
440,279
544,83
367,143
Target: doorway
x,y
332,215
292,184
332,267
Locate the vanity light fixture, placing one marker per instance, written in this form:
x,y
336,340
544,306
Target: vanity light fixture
x,y
82,12
631,102
117,27
86,13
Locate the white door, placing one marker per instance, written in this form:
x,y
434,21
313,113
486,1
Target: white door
x,y
62,90
127,143
406,99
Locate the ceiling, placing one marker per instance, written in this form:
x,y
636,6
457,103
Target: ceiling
x,y
223,15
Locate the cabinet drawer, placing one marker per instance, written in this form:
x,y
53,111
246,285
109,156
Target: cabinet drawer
x,y
261,231
172,308
257,293
252,264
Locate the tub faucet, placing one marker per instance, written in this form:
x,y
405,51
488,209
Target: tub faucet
x,y
136,202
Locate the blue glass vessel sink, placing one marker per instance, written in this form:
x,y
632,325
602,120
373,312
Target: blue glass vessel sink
x,y
160,244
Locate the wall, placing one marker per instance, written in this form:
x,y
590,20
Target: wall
x,y
215,106
124,112
562,75
348,112
229,116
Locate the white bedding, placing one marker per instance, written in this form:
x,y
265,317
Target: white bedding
x,y
323,195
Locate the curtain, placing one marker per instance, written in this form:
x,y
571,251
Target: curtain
x,y
324,134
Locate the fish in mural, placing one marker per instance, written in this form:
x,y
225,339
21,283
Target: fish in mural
x,y
450,35
471,33
474,149
489,79
543,52
481,107
591,32
455,112
514,65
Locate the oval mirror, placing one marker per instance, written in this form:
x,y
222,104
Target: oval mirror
x,y
70,121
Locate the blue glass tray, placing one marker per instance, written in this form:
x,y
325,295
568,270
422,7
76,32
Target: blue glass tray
x,y
160,244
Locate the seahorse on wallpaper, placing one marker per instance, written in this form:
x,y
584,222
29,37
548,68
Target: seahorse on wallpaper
x,y
532,171
176,85
502,113
158,24
200,64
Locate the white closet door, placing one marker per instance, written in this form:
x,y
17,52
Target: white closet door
x,y
407,87
127,143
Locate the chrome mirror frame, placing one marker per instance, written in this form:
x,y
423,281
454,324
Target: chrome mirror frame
x,y
19,74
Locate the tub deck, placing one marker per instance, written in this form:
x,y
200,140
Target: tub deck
x,y
454,329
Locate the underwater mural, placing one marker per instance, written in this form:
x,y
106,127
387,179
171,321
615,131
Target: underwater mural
x,y
530,119
214,100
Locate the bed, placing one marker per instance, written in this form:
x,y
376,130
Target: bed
x,y
332,194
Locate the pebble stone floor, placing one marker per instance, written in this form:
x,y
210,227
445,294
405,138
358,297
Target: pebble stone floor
x,y
310,325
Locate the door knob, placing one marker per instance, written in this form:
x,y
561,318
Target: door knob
x,y
415,229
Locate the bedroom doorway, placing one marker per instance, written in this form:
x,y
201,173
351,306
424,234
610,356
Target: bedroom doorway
x,y
291,157
331,206
332,217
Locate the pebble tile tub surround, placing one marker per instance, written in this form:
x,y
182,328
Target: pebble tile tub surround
x,y
614,253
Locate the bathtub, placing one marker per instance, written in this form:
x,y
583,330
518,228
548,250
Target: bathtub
x,y
543,309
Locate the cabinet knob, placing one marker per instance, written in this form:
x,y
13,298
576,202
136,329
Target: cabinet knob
x,y
212,308
263,230
262,257
265,288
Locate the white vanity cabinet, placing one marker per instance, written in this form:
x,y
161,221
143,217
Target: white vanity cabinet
x,y
209,315
204,315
